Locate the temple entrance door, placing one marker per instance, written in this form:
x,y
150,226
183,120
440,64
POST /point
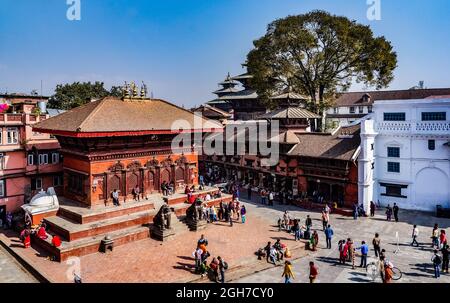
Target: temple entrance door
x,y
337,192
132,181
114,182
150,182
180,177
165,176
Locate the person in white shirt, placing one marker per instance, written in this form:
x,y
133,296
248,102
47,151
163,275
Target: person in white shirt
x,y
415,234
271,198
208,197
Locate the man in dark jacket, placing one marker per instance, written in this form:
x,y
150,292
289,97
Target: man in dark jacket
x,y
396,209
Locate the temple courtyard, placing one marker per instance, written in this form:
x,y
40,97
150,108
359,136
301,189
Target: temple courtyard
x,y
151,261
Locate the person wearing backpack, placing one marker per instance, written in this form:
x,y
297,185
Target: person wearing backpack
x,y
223,266
437,261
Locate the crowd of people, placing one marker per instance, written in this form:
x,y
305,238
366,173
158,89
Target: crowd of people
x,y
216,268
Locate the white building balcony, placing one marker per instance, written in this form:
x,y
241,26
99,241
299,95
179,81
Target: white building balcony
x,y
423,127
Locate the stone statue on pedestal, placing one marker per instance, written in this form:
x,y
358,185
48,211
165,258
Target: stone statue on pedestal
x,y
162,219
194,216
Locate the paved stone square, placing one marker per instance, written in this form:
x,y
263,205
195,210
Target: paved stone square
x,y
415,263
152,261
11,271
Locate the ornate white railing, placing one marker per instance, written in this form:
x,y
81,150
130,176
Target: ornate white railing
x,y
430,127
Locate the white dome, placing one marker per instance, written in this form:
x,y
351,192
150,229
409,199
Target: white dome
x,y
42,199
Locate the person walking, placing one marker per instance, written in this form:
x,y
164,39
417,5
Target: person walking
x,y
223,266
435,236
313,272
329,235
286,220
351,252
308,222
442,239
415,234
355,211
325,219
243,214
115,197
445,258
342,251
376,242
297,231
388,213
271,197
364,248
395,210
437,261
267,251
372,209
288,274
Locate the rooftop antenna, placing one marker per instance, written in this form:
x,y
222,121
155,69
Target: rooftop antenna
x,y
41,89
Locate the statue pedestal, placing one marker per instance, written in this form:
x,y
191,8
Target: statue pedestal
x,y
195,225
161,235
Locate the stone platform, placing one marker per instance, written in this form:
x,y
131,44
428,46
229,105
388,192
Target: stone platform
x,y
82,229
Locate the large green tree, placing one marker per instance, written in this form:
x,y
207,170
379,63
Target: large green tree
x,y
319,54
68,96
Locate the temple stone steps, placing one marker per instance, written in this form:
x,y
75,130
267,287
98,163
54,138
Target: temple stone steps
x,y
91,245
72,231
82,215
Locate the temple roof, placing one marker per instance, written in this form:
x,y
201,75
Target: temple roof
x,y
227,90
342,145
290,113
243,94
208,108
356,98
115,117
290,96
242,77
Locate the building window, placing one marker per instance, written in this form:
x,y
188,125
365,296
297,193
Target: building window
x,y
12,135
394,116
393,190
393,167
435,116
57,181
1,135
431,144
30,159
55,158
43,159
393,152
370,109
352,110
336,110
36,183
76,184
372,146
2,161
2,188
361,109
373,165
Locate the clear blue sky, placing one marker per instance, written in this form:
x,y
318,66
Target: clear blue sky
x,y
183,48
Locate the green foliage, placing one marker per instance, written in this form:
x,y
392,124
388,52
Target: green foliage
x,y
319,54
69,96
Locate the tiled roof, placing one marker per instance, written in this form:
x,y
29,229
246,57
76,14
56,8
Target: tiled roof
x,y
343,145
291,96
356,98
243,94
206,107
290,112
115,115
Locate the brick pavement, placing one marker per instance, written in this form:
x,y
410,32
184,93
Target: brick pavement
x,y
11,271
152,261
414,262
